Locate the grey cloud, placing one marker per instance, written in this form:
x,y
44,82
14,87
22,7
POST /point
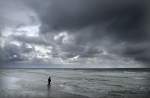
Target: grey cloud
x,y
14,13
91,21
32,40
139,52
10,53
76,14
95,25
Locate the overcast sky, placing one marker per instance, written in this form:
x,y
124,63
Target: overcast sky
x,y
74,33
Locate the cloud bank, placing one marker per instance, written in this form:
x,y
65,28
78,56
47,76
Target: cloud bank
x,y
75,33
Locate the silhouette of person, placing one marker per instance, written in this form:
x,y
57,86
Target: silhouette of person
x,y
49,80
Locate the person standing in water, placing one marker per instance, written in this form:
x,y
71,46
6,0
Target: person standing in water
x,y
49,80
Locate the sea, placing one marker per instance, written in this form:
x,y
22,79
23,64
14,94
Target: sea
x,y
91,83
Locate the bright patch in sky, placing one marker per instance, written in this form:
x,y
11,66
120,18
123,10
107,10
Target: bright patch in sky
x,y
43,52
15,43
29,31
64,37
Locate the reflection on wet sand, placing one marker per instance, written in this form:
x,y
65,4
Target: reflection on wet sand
x,y
48,90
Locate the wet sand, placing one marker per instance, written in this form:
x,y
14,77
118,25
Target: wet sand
x,y
16,85
51,95
51,92
31,83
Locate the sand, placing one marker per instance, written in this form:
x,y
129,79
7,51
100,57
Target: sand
x,y
23,83
51,92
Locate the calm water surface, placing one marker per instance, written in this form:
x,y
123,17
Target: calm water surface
x,y
90,83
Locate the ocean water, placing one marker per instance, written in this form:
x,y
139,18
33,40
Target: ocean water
x,y
94,83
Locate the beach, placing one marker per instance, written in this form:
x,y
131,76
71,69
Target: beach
x,y
32,83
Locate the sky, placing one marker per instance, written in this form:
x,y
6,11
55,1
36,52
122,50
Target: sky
x,y
74,33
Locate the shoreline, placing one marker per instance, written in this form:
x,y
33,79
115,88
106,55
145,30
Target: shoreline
x,y
73,84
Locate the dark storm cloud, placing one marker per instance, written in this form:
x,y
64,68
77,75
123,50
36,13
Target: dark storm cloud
x,y
92,20
122,19
139,51
77,14
96,26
